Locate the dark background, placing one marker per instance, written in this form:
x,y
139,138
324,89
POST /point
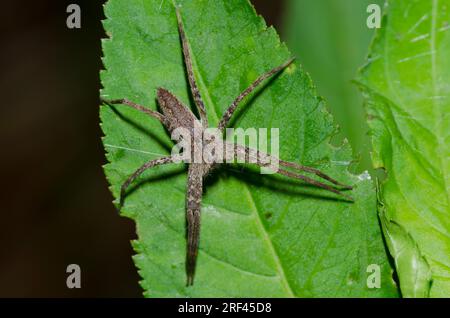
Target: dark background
x,y
55,204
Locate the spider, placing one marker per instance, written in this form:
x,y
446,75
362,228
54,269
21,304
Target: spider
x,y
176,115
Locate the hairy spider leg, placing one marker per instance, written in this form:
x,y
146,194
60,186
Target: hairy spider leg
x,y
260,159
193,202
232,108
138,107
315,171
190,72
288,164
138,172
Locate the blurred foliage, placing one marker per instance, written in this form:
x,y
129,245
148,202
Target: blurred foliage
x,y
330,39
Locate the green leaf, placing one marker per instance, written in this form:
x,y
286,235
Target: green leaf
x,y
261,235
407,87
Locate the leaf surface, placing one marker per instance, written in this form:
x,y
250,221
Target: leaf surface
x,y
261,236
407,88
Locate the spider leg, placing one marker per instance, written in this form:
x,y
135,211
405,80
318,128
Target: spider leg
x,y
193,201
314,183
188,62
138,172
261,159
138,107
231,109
317,172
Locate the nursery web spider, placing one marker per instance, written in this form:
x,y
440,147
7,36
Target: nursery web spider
x,y
175,115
